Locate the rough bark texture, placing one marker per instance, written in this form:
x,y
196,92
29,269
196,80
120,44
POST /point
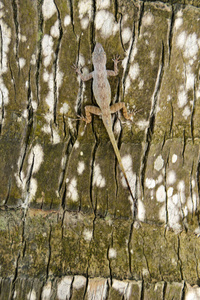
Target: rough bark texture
x,y
67,221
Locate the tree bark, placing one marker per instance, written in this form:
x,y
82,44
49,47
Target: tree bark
x,y
69,229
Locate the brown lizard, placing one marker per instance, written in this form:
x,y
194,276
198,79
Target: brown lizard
x,y
102,94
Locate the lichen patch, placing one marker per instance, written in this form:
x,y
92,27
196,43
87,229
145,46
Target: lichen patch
x,y
80,167
161,194
158,163
98,179
72,191
64,287
104,21
48,9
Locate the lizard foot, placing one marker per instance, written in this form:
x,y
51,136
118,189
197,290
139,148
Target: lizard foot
x,y
131,115
116,59
76,68
82,118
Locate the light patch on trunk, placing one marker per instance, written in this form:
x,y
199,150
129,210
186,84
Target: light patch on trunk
x,y
178,23
72,191
141,210
98,179
102,4
47,49
84,23
67,20
174,158
120,286
87,234
161,194
32,295
104,21
182,97
126,35
46,291
22,62
112,253
150,183
80,167
64,288
158,163
147,19
79,282
97,289
48,9
134,71
171,177
85,8
38,155
55,31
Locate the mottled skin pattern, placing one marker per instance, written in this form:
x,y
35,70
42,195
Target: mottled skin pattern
x,y
102,93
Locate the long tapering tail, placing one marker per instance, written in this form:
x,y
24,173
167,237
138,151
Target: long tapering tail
x,y
113,141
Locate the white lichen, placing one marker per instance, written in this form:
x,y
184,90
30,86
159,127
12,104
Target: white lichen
x,y
119,286
64,288
79,282
72,191
174,158
32,295
46,291
152,57
37,157
98,179
84,23
180,42
147,19
141,211
158,163
150,183
126,35
22,62
161,194
47,49
85,9
182,97
104,22
178,23
80,167
55,31
171,177
112,253
134,71
67,20
48,9
64,108
103,4
192,293
186,112
87,234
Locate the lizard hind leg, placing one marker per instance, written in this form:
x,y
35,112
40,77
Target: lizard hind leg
x,y
118,106
89,110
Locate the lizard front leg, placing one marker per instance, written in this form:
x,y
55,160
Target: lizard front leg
x,y
116,71
89,110
85,77
118,106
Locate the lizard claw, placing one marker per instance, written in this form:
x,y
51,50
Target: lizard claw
x,y
131,115
76,68
81,118
116,59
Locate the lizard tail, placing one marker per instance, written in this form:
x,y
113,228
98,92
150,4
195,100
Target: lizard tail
x,y
114,144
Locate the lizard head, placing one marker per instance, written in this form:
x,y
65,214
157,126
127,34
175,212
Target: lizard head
x,y
99,55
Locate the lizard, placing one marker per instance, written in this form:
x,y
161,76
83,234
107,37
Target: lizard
x,y
102,94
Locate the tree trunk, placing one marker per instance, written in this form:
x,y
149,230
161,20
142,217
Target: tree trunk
x,y
69,227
